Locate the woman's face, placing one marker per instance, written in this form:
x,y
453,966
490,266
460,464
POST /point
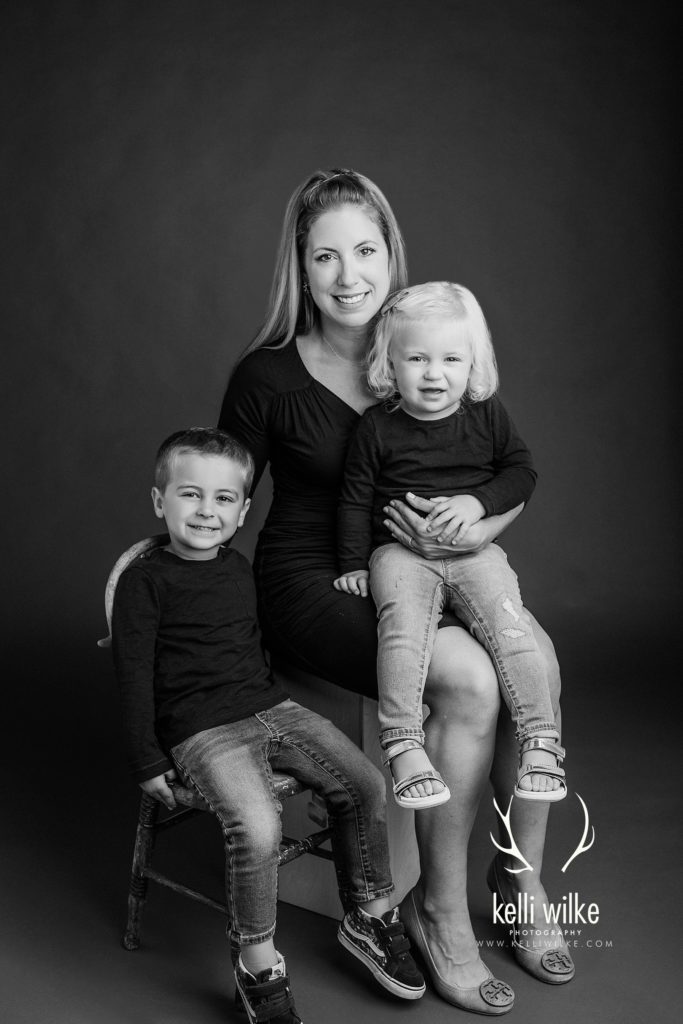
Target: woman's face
x,y
346,262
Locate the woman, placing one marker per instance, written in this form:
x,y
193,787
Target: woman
x,y
294,399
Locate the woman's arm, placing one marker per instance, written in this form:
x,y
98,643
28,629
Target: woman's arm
x,y
410,529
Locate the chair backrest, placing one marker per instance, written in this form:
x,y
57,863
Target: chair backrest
x,y
122,563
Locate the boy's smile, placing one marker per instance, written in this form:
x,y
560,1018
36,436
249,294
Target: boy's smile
x,y
203,504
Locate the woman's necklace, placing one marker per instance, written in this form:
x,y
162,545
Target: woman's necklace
x,y
352,362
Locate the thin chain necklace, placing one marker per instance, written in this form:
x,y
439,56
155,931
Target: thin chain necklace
x,y
352,362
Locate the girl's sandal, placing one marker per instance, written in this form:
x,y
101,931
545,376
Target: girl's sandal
x,y
549,795
413,803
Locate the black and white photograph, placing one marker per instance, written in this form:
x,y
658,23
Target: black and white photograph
x,y
341,397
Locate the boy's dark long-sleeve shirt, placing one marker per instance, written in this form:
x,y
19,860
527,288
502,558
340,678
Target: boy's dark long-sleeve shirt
x,y
187,652
476,450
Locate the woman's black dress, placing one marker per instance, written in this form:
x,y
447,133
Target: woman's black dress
x,y
291,420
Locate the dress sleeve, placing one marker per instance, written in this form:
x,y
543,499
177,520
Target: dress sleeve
x,y
515,476
245,412
135,622
354,519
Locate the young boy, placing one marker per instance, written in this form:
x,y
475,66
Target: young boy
x,y
197,694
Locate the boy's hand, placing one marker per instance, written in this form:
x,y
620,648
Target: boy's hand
x,y
451,518
353,583
159,789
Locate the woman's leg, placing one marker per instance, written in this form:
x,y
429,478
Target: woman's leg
x,y
463,696
528,820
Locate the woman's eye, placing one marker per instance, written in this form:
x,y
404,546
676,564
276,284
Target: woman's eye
x,y
367,250
324,257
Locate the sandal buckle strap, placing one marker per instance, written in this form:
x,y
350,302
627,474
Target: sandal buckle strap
x,y
543,743
400,747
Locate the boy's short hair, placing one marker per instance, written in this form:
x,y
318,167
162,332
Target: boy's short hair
x,y
202,441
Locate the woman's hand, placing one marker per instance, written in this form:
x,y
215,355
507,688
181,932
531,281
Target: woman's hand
x,y
411,530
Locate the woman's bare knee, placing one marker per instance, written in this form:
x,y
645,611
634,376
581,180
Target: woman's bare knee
x,y
462,679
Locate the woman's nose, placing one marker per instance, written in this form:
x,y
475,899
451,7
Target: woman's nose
x,y
348,272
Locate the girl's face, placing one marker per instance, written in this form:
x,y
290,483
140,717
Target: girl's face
x,y
346,262
432,363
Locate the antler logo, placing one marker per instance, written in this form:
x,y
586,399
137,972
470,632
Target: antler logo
x,y
514,851
581,848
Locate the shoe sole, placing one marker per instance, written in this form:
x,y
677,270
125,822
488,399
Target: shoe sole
x,y
423,803
390,984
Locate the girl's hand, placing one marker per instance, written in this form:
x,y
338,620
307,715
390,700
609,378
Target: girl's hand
x,y
451,518
159,789
353,583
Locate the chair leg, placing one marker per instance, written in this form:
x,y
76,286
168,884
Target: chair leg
x,y
142,857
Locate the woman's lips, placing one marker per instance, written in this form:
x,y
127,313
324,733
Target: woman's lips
x,y
350,300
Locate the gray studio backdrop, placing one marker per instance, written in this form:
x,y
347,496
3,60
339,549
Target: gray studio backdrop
x,y
149,150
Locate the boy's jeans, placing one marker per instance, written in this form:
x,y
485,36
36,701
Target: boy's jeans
x,y
481,589
231,766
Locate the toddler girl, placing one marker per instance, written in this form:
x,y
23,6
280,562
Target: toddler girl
x,y
443,435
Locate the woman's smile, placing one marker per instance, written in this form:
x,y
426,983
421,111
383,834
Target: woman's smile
x,y
346,264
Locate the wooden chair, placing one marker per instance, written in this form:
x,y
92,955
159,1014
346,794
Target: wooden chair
x,y
153,820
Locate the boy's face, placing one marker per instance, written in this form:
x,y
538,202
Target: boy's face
x,y
204,504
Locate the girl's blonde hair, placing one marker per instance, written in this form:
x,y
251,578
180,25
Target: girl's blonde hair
x,y
291,309
436,300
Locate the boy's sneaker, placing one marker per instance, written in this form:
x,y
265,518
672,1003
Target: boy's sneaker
x,y
267,997
383,946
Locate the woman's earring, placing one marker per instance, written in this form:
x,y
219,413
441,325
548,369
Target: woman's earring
x,y
305,286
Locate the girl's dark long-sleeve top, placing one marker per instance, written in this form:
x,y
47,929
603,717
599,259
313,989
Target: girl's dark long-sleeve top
x,y
476,450
187,652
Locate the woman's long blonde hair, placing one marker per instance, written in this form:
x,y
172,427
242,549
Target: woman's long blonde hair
x,y
436,300
291,310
